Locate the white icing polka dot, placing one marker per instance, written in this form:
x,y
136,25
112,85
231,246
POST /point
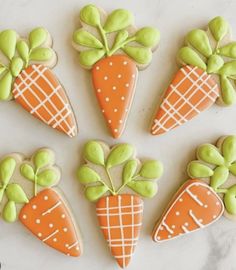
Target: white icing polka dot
x,y
205,205
114,87
208,192
54,239
200,220
158,238
120,121
103,111
99,90
37,220
109,121
39,234
107,99
68,254
50,225
63,216
65,229
217,203
126,110
24,217
66,245
45,198
115,130
115,110
97,68
169,236
180,199
177,213
119,76
77,248
105,78
173,226
161,228
122,98
110,63
125,63
133,75
186,223
214,217
34,206
127,85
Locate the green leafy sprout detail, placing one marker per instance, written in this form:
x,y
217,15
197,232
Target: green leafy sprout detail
x,y
19,53
139,180
118,22
218,58
217,165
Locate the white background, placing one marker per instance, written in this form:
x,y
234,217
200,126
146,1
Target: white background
x,y
212,248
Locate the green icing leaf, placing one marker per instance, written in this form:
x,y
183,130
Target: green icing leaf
x,y
196,169
9,212
129,170
229,149
232,168
16,66
144,188
47,178
228,50
151,169
95,192
214,63
230,200
6,86
94,153
16,194
121,36
228,69
27,171
37,37
199,40
210,154
43,158
227,91
148,37
119,154
140,55
41,54
190,57
86,39
219,28
89,57
2,69
7,168
2,190
8,43
119,19
23,50
219,177
90,15
86,175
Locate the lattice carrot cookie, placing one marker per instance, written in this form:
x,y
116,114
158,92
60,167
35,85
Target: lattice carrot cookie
x,y
113,177
26,77
113,49
28,194
202,200
207,75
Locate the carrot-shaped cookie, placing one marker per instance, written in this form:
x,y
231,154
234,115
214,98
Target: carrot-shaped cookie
x,y
113,49
199,203
27,194
25,76
207,75
119,209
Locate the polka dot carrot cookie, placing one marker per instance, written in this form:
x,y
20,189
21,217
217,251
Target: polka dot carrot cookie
x,y
26,77
207,75
28,194
203,199
116,181
113,49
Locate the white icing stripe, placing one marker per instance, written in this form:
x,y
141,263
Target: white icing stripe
x,y
195,219
124,226
167,228
51,209
185,229
73,245
123,257
194,197
121,231
50,235
122,214
108,221
126,239
123,207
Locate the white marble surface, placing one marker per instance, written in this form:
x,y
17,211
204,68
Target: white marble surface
x,y
210,249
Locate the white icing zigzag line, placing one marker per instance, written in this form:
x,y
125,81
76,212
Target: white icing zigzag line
x,y
51,209
194,197
50,235
195,219
167,228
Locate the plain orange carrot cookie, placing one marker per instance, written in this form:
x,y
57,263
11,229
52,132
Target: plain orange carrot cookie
x,y
28,193
207,75
112,48
203,199
26,77
113,177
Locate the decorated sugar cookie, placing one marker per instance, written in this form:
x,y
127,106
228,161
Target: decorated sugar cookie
x,y
202,200
116,181
26,77
113,49
207,75
28,194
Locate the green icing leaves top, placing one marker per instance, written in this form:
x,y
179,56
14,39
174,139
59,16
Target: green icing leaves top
x,y
136,176
217,164
19,53
213,57
137,46
43,158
